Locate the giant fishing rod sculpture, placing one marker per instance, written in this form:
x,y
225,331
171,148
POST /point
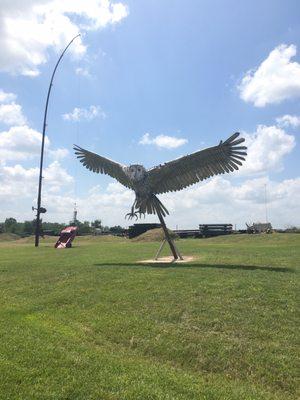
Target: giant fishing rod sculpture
x,y
169,177
41,210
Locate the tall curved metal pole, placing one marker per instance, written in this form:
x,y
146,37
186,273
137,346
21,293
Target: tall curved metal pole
x,y
37,227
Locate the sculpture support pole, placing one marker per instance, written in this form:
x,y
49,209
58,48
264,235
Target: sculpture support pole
x,y
39,199
167,235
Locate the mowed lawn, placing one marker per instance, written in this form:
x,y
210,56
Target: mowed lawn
x,y
92,323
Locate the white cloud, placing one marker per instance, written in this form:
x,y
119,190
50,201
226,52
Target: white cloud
x,y
220,201
18,182
163,141
276,79
266,149
30,28
56,175
6,97
11,114
80,114
83,72
20,143
23,143
288,121
58,154
12,184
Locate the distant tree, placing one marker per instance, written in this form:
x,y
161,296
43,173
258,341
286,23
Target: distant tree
x,y
292,229
97,224
116,229
84,228
29,227
10,225
53,228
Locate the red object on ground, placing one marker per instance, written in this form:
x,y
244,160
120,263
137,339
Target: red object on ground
x,y
67,235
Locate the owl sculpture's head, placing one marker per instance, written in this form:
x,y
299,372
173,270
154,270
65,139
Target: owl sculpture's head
x,y
136,172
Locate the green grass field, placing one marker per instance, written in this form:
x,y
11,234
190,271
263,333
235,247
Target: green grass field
x,y
92,323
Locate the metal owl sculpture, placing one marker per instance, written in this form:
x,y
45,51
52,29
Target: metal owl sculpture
x,y
169,177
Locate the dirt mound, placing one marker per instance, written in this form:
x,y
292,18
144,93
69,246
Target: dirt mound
x,y
8,237
154,235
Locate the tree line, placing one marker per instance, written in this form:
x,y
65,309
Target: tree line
x,y
27,228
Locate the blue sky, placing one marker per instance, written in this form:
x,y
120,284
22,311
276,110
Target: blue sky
x,y
195,70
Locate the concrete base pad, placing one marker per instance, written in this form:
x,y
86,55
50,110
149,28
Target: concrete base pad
x,y
168,260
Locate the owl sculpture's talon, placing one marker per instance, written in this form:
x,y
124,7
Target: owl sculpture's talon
x,y
131,215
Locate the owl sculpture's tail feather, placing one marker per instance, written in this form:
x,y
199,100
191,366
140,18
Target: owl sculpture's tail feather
x,y
158,206
151,205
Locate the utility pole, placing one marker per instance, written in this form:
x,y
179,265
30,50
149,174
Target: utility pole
x,y
39,209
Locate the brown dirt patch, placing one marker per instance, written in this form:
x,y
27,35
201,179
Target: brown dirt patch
x,y
168,260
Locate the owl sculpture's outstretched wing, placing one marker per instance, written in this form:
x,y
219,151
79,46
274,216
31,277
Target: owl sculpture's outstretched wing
x,y
187,170
103,165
